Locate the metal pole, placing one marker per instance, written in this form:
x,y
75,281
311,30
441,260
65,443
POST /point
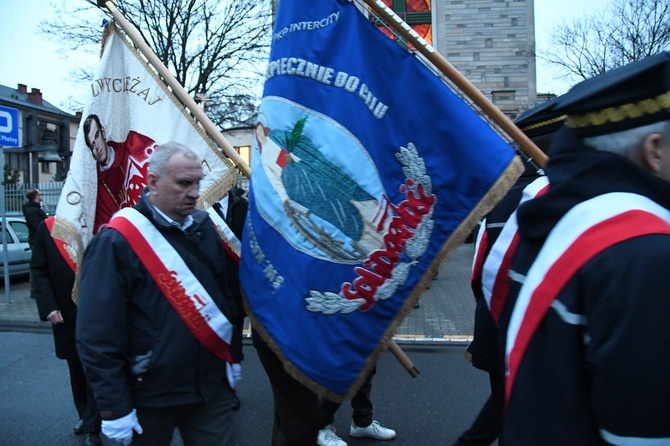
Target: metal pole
x,y
5,256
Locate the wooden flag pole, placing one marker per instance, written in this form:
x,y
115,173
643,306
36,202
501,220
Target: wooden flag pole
x,y
459,80
209,126
403,359
177,88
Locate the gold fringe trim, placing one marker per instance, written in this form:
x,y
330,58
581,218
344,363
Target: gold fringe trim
x,y
106,33
487,203
68,234
620,113
543,123
218,189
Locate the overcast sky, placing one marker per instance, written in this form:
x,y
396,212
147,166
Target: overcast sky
x,y
29,58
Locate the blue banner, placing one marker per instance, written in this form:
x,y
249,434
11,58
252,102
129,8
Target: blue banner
x,y
364,165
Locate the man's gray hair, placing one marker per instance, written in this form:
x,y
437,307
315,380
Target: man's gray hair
x,y
626,142
159,159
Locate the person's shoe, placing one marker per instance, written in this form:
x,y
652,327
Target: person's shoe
x,y
79,427
236,403
328,437
93,439
374,430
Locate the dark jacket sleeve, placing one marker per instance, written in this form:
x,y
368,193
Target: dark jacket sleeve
x,y
236,218
40,285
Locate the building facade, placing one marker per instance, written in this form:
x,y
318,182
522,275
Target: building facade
x,y
492,43
46,135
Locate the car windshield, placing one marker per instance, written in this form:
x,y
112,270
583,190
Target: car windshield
x,y
10,240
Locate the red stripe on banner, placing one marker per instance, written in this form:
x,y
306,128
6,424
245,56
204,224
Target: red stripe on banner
x,y
172,290
593,241
59,244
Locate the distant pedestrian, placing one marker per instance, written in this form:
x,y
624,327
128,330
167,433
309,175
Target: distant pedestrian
x,y
33,213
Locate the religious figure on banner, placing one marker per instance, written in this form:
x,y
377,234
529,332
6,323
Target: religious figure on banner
x,y
121,169
325,204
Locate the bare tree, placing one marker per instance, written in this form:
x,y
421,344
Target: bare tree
x,y
625,31
217,49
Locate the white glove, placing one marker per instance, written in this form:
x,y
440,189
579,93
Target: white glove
x,y
234,374
121,429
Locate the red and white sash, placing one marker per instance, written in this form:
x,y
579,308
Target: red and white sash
x,y
586,230
178,284
495,280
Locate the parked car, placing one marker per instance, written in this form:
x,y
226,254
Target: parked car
x,y
18,249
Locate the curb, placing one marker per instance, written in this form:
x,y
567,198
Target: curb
x,y
24,326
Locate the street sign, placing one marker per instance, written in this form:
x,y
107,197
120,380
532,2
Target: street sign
x,y
9,127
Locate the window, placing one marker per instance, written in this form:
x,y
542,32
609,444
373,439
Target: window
x,y
503,96
417,14
48,134
245,153
10,240
21,230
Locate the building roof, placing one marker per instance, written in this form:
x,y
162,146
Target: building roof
x,y
12,96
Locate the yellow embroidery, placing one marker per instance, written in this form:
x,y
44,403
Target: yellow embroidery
x,y
543,123
620,113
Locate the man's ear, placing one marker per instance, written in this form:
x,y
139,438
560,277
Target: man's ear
x,y
651,153
151,182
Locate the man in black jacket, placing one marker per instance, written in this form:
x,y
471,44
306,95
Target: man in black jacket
x,y
33,213
51,287
154,327
588,312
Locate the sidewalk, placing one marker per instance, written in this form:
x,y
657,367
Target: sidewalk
x,y
445,314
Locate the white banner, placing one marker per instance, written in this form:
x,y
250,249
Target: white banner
x,y
135,111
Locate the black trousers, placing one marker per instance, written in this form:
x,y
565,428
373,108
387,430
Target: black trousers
x,y
82,396
360,403
297,413
199,424
488,424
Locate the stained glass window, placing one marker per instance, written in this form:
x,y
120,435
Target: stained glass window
x,y
416,13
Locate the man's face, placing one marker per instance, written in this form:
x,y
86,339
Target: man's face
x,y
177,192
97,140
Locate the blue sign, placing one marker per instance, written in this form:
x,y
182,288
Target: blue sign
x,y
9,127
